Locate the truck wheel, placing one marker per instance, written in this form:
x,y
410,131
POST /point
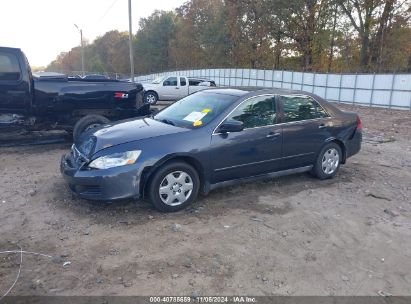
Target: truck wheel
x,y
150,97
87,123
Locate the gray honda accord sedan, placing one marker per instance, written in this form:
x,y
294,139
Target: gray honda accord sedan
x,y
210,139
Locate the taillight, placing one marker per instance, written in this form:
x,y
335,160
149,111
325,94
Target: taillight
x,y
359,124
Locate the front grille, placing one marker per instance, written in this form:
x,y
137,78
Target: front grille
x,y
89,190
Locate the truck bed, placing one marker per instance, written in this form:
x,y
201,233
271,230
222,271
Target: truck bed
x,y
65,94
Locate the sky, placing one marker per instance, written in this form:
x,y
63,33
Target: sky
x,y
45,28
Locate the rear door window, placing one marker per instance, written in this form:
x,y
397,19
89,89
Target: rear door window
x,y
321,113
298,108
9,67
183,82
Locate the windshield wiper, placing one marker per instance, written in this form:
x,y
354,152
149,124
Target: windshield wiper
x,y
167,121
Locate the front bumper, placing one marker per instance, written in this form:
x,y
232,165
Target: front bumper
x,y
101,185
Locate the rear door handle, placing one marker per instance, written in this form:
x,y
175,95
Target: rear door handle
x,y
322,126
273,135
177,88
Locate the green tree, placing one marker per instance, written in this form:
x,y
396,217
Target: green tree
x,y
152,45
310,35
201,39
370,19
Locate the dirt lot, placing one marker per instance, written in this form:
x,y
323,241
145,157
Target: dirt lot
x,y
289,236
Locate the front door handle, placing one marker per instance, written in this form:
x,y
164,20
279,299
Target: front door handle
x,y
273,134
322,126
177,88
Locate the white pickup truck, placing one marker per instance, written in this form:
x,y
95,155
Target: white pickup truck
x,y
174,88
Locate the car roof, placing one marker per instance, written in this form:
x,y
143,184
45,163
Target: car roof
x,y
263,90
226,91
242,91
188,77
245,92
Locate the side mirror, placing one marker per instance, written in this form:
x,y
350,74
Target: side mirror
x,y
231,126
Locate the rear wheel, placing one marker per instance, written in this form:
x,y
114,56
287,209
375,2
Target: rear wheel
x,y
151,97
87,123
173,187
328,161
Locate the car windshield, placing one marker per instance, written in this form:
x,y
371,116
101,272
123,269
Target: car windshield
x,y
158,80
196,110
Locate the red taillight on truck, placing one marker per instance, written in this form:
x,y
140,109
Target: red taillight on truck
x,y
359,124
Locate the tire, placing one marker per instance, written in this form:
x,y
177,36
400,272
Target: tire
x,y
173,197
88,122
328,161
150,97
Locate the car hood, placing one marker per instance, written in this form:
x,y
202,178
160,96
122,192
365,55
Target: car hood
x,y
131,130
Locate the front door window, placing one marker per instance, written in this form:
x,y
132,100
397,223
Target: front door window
x,y
256,112
170,82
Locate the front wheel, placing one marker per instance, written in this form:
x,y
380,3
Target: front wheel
x,y
173,187
328,161
151,97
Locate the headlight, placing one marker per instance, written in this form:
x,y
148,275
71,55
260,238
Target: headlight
x,y
115,160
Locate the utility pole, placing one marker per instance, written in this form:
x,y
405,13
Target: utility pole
x,y
82,49
130,33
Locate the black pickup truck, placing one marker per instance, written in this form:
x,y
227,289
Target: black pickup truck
x,y
51,101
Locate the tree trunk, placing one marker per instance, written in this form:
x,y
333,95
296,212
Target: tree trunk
x,y
277,54
308,59
364,54
307,48
376,46
310,34
331,55
254,56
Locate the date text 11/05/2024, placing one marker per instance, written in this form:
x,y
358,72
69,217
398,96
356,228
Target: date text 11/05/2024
x,y
204,299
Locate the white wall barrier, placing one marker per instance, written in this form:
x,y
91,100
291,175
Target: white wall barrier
x,y
383,90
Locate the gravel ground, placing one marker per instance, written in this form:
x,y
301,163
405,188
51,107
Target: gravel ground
x,y
288,236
